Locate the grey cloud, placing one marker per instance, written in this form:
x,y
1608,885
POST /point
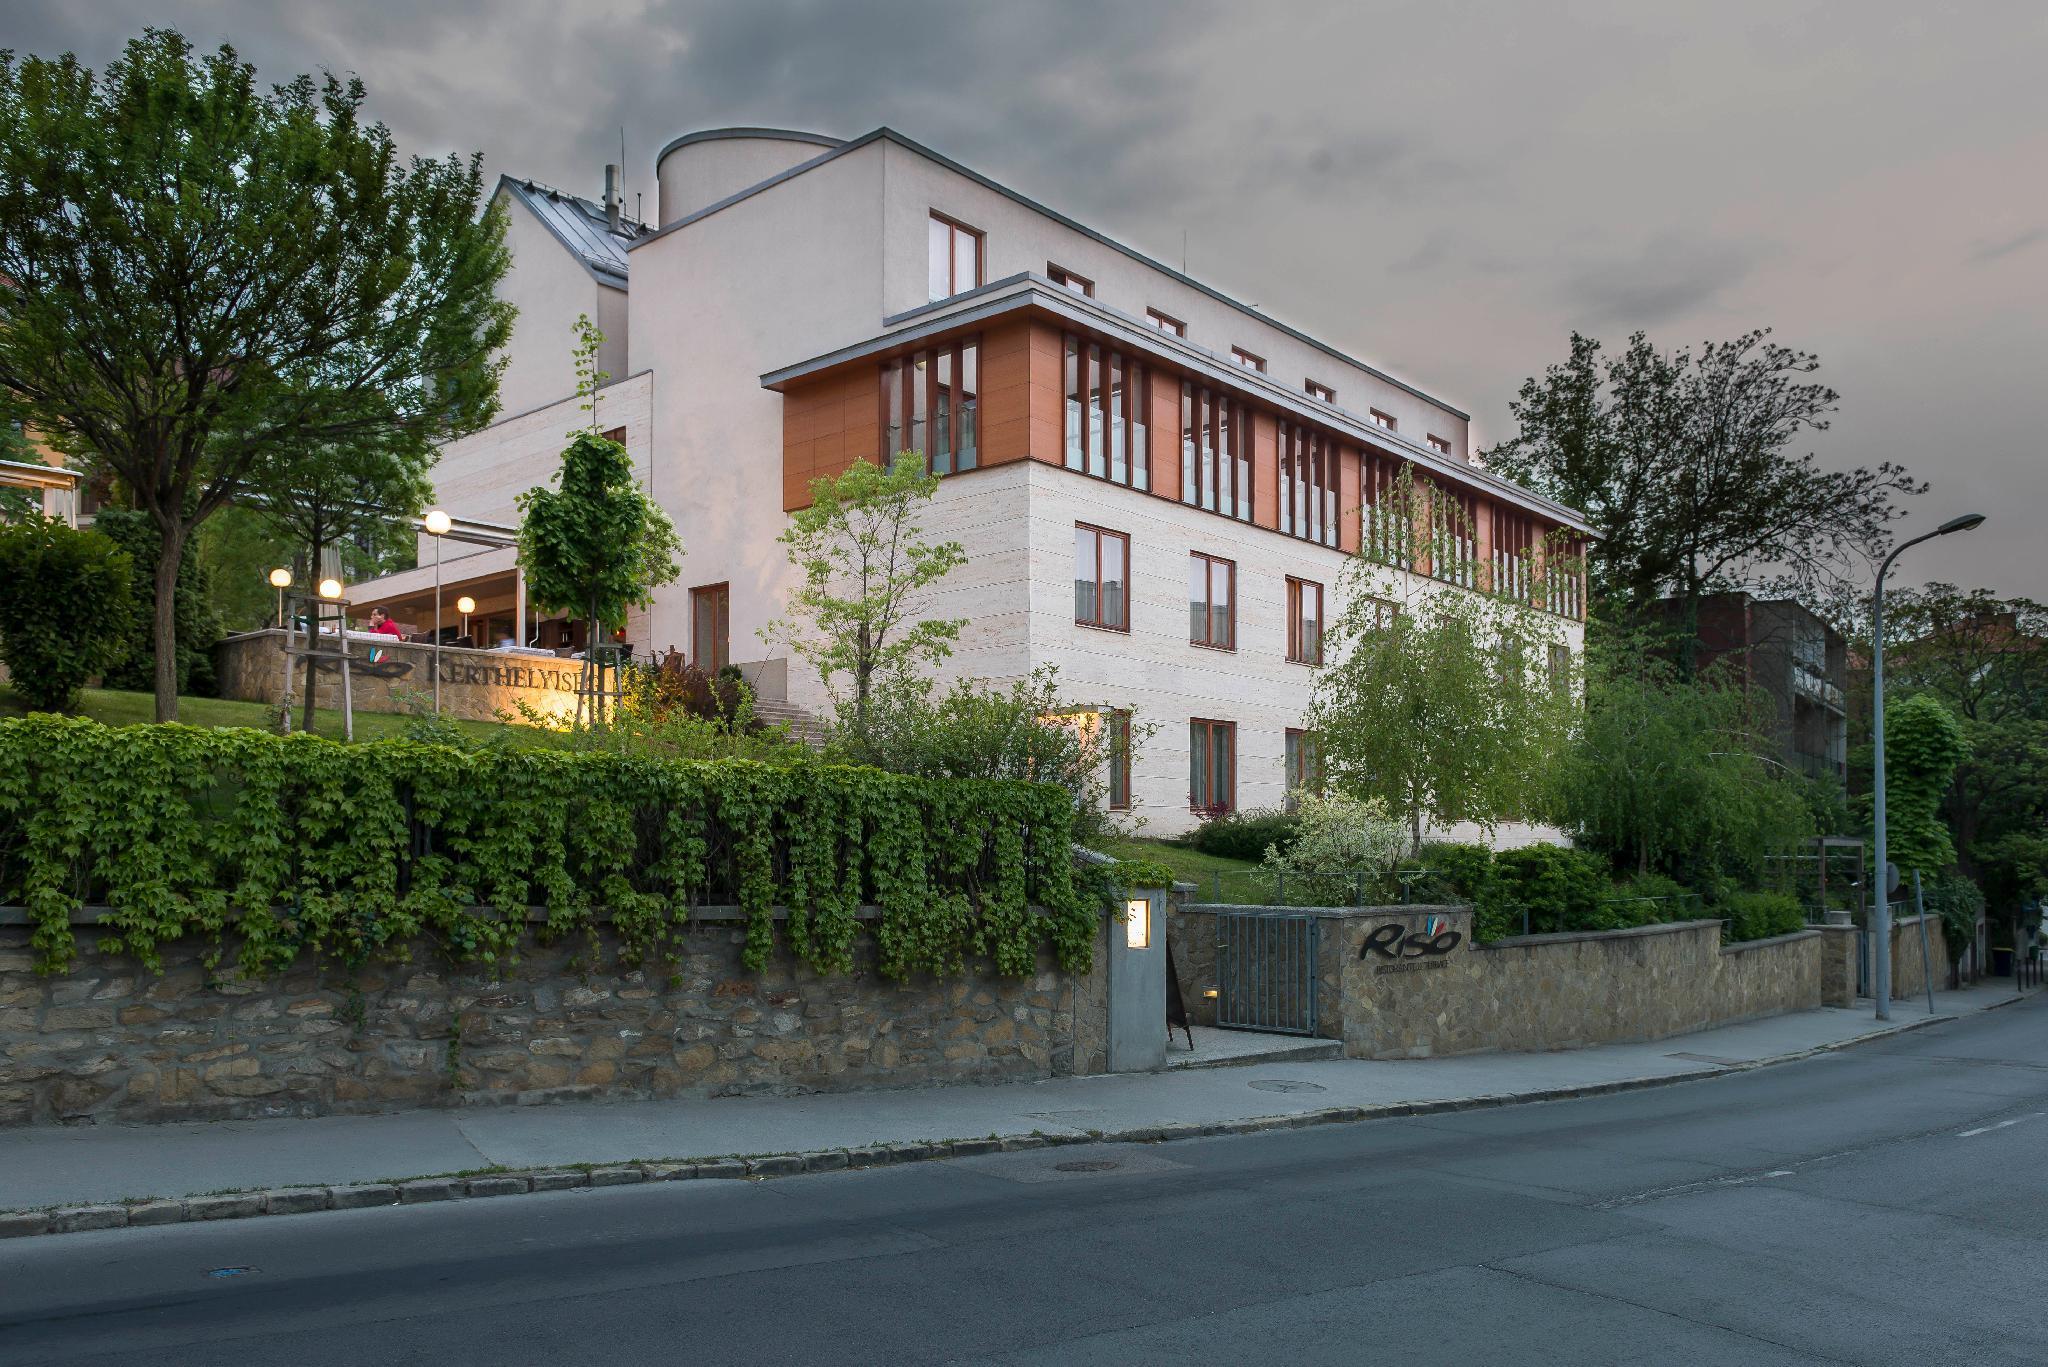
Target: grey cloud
x,y
1668,278
1994,251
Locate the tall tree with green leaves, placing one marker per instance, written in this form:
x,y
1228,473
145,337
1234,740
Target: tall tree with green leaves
x,y
1684,462
1923,744
596,544
864,561
203,278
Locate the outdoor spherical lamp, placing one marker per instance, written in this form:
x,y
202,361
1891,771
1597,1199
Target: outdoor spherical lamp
x,y
437,522
465,605
330,588
280,579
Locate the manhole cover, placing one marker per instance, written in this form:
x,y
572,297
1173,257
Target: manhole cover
x,y
1284,1085
1086,1165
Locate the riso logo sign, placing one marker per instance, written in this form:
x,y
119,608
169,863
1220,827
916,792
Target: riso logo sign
x,y
1395,940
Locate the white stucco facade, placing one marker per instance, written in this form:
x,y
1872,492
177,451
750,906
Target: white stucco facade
x,y
774,250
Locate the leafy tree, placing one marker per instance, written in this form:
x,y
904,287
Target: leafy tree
x,y
1440,703
67,592
1337,838
203,280
1681,461
1676,776
197,623
237,548
864,560
1923,743
596,544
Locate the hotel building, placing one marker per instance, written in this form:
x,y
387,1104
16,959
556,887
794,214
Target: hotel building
x,y
1157,486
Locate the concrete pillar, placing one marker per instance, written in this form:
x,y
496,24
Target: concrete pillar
x,y
1137,985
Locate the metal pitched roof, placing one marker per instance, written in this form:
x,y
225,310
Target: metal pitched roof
x,y
579,225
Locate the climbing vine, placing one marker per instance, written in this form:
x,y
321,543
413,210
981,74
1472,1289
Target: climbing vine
x,y
276,847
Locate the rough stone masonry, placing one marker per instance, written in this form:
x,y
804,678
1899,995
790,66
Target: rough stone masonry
x,y
111,1041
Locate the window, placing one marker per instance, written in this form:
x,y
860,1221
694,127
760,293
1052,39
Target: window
x,y
1304,764
956,257
1438,444
1560,666
617,434
1454,536
1212,601
1248,360
1212,765
1514,554
1109,405
1383,612
1066,279
929,405
1215,452
711,627
1308,484
1380,419
1102,561
1118,726
1304,621
1389,523
1166,322
1321,393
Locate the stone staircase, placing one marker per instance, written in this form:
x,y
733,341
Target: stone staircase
x,y
801,723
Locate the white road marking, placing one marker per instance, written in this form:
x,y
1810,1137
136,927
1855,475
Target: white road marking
x,y
1987,1129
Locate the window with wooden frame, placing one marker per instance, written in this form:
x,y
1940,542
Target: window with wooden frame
x,y
1564,569
1108,410
1117,727
711,627
1387,532
1212,765
1454,537
1304,764
1382,612
956,257
1166,322
1248,360
1514,553
1380,419
1304,621
1321,393
1212,601
1102,578
1438,444
1215,452
617,434
1308,483
1560,661
1067,280
930,405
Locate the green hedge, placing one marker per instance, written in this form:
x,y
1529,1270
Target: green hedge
x,y
1760,915
1245,835
281,846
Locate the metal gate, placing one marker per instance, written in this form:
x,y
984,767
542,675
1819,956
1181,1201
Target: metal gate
x,y
1266,971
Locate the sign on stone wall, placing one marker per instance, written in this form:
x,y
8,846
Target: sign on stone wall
x,y
1404,945
476,685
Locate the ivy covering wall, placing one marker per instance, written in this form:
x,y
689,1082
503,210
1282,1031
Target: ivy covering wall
x,y
278,846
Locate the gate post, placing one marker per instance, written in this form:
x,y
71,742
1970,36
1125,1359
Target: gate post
x,y
1137,983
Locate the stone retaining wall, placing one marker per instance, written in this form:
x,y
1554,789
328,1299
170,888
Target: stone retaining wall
x,y
111,1041
1533,992
1909,975
476,685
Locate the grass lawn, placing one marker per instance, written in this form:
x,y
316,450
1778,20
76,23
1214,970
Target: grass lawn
x,y
1192,866
117,708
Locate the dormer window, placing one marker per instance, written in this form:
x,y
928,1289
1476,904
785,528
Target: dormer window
x,y
1321,393
1248,360
1067,280
1380,419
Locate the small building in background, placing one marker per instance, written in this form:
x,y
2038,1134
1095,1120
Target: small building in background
x,y
1780,648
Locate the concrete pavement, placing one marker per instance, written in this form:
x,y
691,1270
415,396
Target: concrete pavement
x,y
42,1168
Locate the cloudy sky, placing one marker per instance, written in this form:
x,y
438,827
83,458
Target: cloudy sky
x,y
1445,189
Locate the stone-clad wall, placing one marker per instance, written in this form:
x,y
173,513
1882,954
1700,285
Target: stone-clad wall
x,y
1533,992
111,1041
476,685
1909,976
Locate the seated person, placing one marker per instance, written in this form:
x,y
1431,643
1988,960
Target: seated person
x,y
384,625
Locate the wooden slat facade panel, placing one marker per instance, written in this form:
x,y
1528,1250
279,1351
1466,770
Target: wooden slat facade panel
x,y
1265,470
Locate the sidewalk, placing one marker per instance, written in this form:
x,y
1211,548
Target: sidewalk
x,y
52,1167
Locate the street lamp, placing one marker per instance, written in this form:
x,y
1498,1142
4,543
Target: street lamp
x,y
465,605
1881,921
437,522
280,579
330,589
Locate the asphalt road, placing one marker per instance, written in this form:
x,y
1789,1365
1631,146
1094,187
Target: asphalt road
x,y
1885,1204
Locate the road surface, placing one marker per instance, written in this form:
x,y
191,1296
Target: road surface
x,y
1886,1204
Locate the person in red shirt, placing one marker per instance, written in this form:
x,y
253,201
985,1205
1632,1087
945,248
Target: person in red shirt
x,y
384,625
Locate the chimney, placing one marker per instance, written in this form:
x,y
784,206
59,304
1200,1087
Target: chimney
x,y
614,200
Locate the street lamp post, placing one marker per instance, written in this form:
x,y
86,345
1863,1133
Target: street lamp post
x,y
465,605
1881,918
437,524
280,579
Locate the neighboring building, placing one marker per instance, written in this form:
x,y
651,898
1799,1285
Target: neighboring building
x,y
1777,646
1157,486
43,483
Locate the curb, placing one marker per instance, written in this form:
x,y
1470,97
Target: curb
x,y
303,1200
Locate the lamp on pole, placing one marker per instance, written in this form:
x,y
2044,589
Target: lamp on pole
x,y
280,579
465,605
1881,917
437,522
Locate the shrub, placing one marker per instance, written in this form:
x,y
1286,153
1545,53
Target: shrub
x,y
299,845
197,624
1560,889
1339,841
67,600
1958,901
1246,834
1650,899
1452,870
1760,915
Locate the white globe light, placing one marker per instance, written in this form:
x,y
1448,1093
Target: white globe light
x,y
280,578
465,605
330,588
438,522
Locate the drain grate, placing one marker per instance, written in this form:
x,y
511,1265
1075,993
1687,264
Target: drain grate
x,y
1286,1085
1087,1165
